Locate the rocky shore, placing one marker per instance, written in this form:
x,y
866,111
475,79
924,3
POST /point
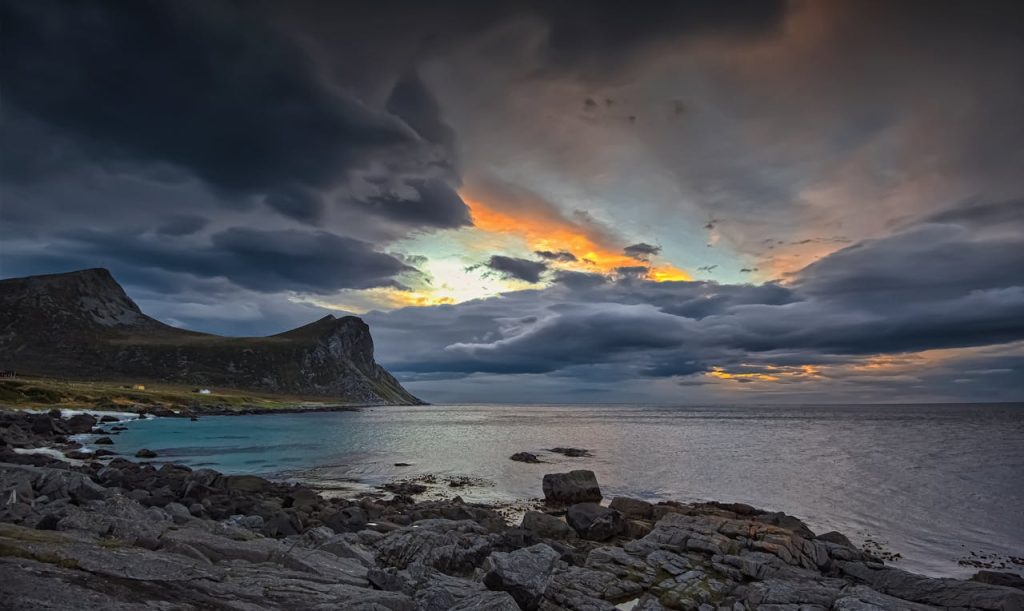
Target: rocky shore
x,y
110,533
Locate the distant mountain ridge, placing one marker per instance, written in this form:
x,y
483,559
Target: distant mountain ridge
x,y
83,325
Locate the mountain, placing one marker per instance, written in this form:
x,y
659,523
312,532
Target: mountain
x,y
83,325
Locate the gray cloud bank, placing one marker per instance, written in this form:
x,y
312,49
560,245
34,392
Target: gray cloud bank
x,y
931,286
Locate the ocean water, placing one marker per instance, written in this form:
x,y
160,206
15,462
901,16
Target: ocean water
x,y
933,483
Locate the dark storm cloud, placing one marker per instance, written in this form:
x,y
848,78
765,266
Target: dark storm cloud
x,y
641,251
133,116
563,256
632,271
515,268
262,261
210,89
578,280
573,336
596,37
414,201
182,225
973,214
412,102
588,39
929,262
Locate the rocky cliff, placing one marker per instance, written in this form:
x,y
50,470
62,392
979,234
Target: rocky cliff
x,y
83,325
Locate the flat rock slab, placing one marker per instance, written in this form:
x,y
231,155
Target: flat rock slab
x,y
523,573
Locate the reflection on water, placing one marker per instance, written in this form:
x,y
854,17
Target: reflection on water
x,y
934,482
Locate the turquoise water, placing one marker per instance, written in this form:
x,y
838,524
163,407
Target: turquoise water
x,y
932,483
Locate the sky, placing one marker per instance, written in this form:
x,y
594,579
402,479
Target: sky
x,y
748,201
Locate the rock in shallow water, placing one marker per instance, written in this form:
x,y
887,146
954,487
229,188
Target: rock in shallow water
x,y
578,486
525,457
571,452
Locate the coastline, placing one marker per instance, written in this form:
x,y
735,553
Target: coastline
x,y
197,538
41,394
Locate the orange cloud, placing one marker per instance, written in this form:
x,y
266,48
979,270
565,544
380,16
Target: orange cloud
x,y
769,373
543,227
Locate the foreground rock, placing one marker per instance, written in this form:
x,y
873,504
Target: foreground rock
x,y
524,573
547,526
591,521
129,536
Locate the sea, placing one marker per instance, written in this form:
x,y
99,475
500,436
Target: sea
x,y
940,488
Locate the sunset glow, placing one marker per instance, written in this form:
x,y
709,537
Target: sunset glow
x,y
594,254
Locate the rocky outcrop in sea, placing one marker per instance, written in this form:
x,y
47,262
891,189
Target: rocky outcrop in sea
x,y
116,534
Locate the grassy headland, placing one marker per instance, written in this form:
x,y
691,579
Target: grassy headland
x,y
122,395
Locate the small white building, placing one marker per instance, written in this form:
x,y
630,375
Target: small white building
x,y
203,391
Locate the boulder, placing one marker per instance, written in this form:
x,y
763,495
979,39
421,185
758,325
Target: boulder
x,y
349,519
525,457
1010,580
452,547
524,573
178,512
547,526
14,436
282,524
145,453
835,537
636,529
578,486
571,452
594,522
104,441
43,425
245,484
404,488
302,498
632,508
788,522
80,423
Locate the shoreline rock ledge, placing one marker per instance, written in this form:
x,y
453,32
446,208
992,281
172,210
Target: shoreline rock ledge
x,y
128,536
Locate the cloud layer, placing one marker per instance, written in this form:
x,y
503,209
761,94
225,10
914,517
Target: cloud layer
x,y
843,179
930,287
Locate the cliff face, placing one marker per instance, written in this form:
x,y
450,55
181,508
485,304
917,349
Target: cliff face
x,y
83,325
